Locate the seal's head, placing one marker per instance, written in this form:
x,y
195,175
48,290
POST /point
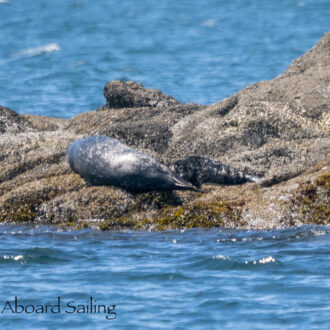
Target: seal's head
x,y
187,169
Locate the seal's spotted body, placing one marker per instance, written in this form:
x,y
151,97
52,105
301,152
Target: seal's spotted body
x,y
101,160
198,170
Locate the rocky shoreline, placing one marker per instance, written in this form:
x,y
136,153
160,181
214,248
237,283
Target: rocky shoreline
x,y
277,129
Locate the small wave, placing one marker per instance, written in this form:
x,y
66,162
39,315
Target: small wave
x,y
12,258
288,234
220,256
262,260
18,257
210,23
47,49
4,1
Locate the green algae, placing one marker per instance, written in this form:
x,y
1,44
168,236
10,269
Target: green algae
x,y
199,214
155,200
24,212
324,181
313,200
22,204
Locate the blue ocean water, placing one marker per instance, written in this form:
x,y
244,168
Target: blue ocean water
x,y
55,58
194,279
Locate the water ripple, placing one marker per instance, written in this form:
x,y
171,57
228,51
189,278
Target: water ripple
x,y
46,49
206,276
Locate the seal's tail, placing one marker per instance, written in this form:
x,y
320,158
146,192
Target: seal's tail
x,y
232,175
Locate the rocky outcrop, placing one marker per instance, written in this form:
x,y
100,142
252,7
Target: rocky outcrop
x,y
277,129
12,122
133,95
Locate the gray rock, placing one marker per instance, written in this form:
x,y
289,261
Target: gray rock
x,y
133,95
277,129
12,122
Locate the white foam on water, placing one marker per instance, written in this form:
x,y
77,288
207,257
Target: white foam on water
x,y
4,1
265,260
210,22
220,256
16,258
46,49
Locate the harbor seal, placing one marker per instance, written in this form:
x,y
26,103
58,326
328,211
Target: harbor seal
x,y
102,160
197,169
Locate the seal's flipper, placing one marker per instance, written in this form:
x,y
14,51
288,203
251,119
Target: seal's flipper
x,y
182,184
